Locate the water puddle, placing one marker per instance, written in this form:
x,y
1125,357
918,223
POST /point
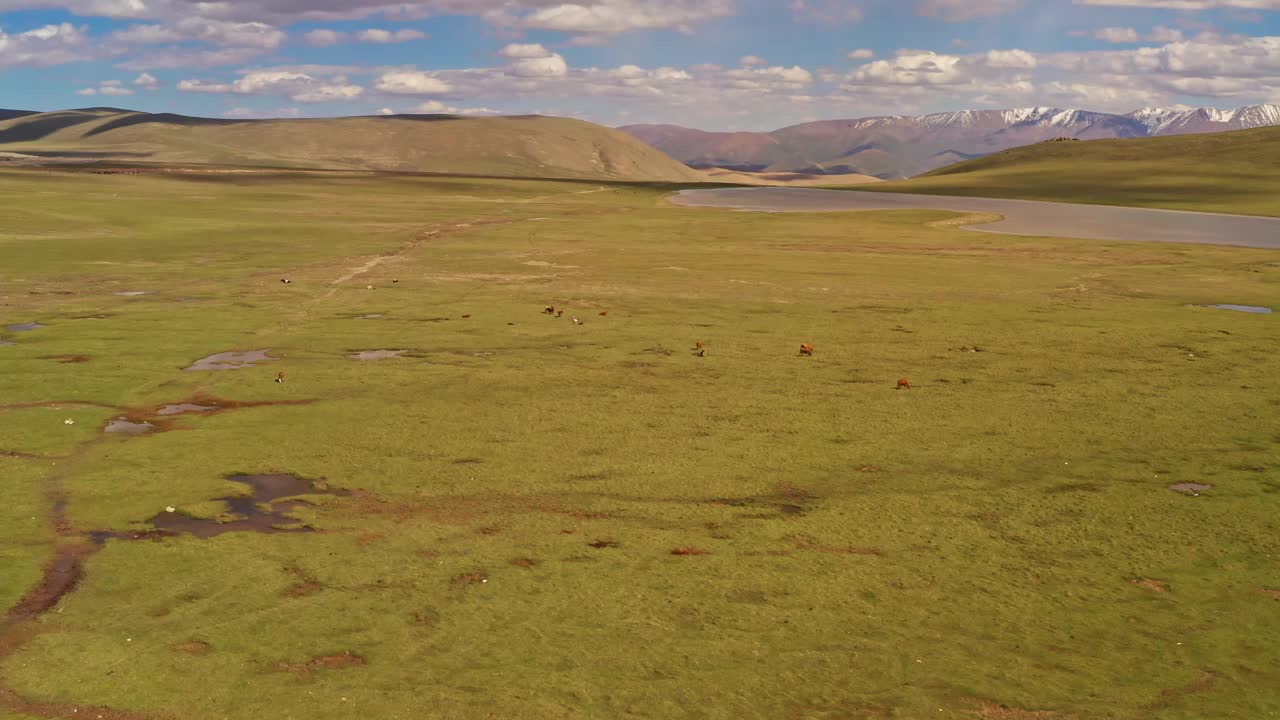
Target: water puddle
x,y
26,327
265,510
184,408
231,360
1190,488
1242,308
133,293
370,316
377,354
125,426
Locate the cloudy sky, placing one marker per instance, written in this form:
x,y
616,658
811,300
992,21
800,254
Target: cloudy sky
x,y
715,64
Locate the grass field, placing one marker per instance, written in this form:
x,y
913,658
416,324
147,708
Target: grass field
x,y
1229,172
521,517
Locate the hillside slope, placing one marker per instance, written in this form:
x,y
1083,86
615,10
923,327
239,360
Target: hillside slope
x,y
1231,172
527,146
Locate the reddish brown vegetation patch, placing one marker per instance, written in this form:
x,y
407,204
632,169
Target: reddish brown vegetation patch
x,y
807,542
337,661
1273,594
525,562
1158,586
195,647
67,359
66,711
303,584
992,711
471,578
690,551
601,544
1171,696
869,469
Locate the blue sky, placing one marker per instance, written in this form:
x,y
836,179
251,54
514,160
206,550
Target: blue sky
x,y
716,64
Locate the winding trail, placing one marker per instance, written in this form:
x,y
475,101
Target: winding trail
x,y
1019,217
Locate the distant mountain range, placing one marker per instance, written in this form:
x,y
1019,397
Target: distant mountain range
x,y
898,146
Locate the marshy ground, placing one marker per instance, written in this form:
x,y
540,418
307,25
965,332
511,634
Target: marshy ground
x,y
1071,514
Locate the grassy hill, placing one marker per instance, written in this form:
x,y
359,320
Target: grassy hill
x,y
526,146
1231,172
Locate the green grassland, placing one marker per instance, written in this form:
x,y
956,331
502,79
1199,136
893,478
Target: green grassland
x,y
1230,172
998,542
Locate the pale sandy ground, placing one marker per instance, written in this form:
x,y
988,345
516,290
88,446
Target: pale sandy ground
x,y
787,179
1020,217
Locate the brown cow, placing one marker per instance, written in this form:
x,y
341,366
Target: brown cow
x,y
806,349
604,313
550,310
559,313
280,377
903,383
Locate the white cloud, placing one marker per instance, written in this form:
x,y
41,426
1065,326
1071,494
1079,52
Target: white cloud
x,y
551,66
411,83
862,54
324,38
246,113
1116,35
386,111
146,81
435,107
385,37
525,51
46,45
110,88
618,16
299,87
965,10
752,61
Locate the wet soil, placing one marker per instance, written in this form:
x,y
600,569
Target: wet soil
x,y
1190,488
1242,308
377,354
195,647
183,408
336,661
125,426
61,576
67,359
265,510
231,360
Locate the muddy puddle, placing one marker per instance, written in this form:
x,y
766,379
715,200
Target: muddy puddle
x,y
133,293
124,426
1242,308
265,510
377,354
1190,488
232,360
61,576
26,327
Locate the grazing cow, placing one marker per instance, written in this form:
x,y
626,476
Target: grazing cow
x,y
702,352
280,377
806,349
395,280
559,313
903,383
604,313
286,281
576,321
697,345
550,310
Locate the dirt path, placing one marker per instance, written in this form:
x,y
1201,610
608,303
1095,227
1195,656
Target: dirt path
x,y
1020,217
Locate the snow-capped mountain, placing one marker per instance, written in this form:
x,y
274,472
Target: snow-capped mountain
x,y
1163,121
893,146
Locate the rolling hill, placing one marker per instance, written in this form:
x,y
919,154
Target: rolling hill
x,y
1231,172
524,146
893,147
